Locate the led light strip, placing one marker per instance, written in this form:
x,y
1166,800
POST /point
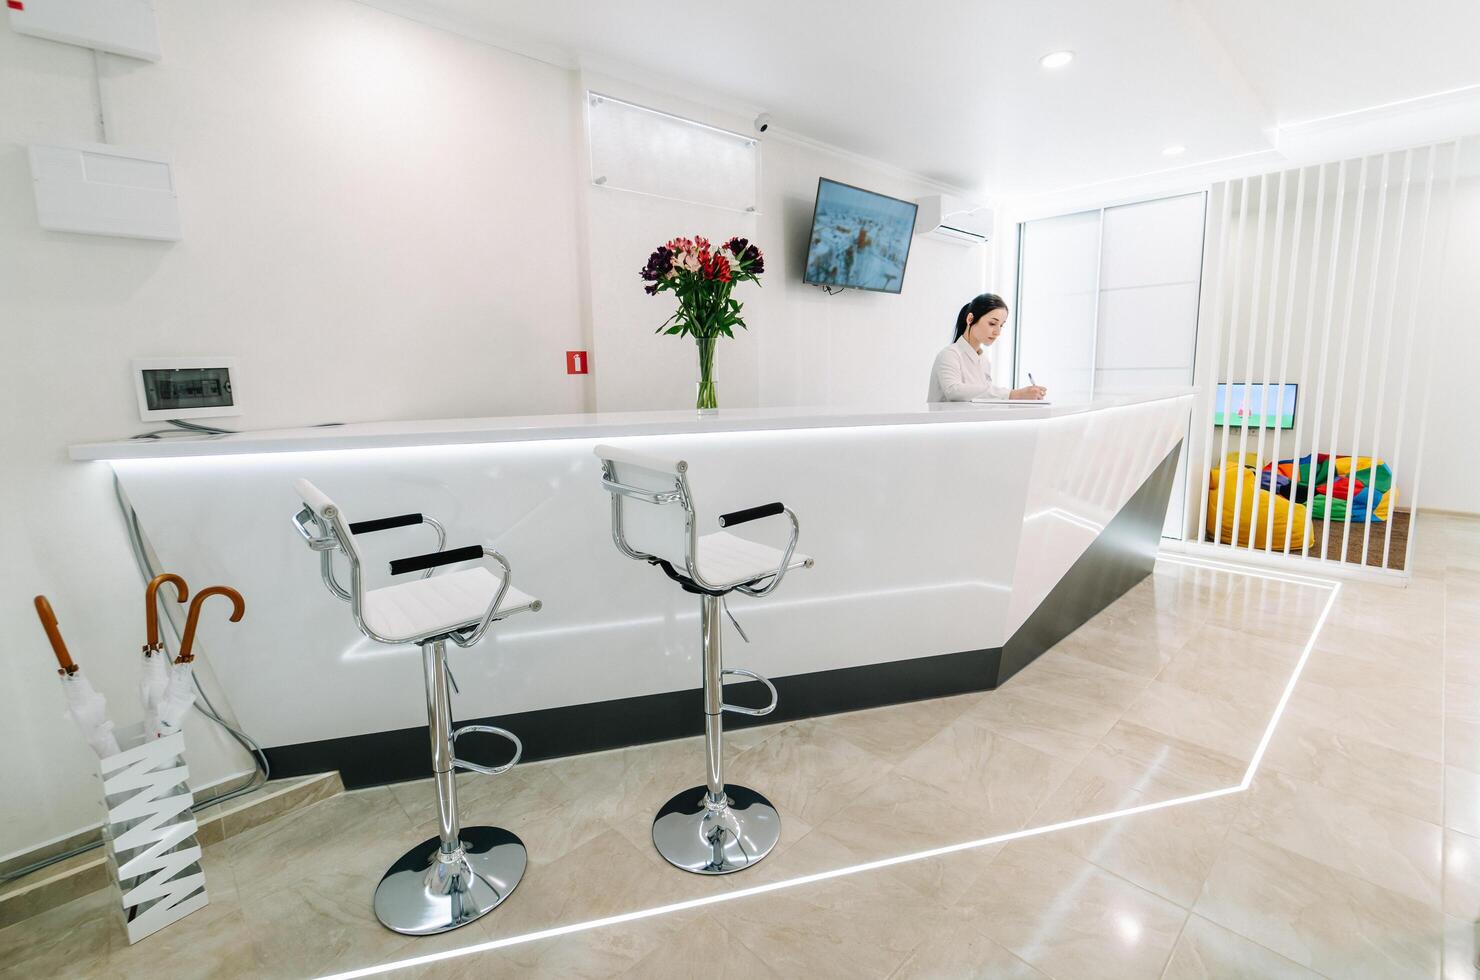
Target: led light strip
x,y
693,903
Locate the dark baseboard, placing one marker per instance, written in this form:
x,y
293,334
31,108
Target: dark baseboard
x,y
1121,556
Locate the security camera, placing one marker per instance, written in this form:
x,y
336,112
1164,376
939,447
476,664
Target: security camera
x,y
763,122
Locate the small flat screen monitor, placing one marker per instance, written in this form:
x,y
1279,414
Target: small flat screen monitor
x,y
860,240
1259,406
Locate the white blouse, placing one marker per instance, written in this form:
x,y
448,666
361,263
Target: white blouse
x,y
962,373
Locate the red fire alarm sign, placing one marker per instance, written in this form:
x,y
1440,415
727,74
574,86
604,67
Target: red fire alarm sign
x,y
577,362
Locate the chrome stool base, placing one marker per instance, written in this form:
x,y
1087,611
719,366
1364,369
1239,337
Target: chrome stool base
x,y
716,841
422,895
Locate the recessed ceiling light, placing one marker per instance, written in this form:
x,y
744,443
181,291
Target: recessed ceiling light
x,y
1056,59
1175,150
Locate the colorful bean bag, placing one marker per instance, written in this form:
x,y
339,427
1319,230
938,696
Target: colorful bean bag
x,y
1253,504
1336,485
1279,478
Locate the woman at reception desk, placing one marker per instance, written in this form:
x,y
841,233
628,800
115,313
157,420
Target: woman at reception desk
x,y
961,372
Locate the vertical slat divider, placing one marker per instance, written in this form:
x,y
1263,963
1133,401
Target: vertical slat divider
x,y
1423,419
1269,335
1238,265
1362,384
1284,361
1346,326
1094,337
1243,429
1330,304
1418,294
1220,272
1387,345
1309,331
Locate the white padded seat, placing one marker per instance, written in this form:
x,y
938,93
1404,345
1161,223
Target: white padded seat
x,y
432,606
725,560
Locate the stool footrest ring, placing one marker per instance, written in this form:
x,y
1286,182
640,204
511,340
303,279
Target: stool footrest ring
x,y
741,710
486,730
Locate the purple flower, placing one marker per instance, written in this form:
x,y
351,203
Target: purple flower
x,y
658,265
749,256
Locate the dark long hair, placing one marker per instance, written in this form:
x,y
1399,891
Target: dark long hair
x,y
978,308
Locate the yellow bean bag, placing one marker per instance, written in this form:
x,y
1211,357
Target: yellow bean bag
x,y
1235,475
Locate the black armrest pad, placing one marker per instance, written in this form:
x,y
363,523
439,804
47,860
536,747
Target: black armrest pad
x,y
436,559
384,523
750,514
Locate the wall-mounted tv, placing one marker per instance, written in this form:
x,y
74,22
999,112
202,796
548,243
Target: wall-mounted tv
x,y
860,240
1266,406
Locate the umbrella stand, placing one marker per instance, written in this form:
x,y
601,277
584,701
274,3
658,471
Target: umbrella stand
x,y
158,867
150,835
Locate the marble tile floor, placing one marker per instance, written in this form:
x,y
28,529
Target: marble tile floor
x,y
1353,852
87,872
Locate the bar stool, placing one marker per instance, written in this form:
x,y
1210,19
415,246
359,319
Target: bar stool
x,y
717,828
464,872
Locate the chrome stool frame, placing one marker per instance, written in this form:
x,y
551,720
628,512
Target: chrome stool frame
x,y
463,873
717,828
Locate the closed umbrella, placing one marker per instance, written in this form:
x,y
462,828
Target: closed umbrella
x,y
88,708
156,675
179,695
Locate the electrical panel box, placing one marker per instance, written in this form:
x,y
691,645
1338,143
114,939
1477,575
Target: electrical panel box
x,y
124,27
186,387
97,189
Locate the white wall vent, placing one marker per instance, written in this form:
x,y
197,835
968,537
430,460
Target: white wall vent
x,y
97,189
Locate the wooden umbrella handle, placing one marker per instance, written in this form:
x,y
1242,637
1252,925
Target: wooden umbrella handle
x,y
192,621
151,607
58,645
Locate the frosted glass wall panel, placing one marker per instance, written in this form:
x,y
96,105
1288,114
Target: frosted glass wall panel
x,y
1058,278
651,152
1109,304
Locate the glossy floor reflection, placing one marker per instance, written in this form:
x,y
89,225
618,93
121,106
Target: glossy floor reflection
x,y
1354,852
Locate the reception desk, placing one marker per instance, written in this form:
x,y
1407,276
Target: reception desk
x,y
953,544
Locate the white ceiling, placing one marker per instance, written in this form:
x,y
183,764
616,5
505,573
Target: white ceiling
x,y
952,89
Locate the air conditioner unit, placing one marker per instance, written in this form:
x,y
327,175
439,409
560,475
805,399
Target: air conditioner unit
x,y
953,219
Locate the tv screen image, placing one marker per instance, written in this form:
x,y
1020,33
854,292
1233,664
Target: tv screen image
x,y
1267,406
860,240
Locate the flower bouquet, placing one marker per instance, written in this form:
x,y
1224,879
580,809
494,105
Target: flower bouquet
x,y
703,277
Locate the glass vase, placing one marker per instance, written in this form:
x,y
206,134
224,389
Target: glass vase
x,y
705,396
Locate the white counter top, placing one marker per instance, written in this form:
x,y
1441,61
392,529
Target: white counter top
x,y
930,539
593,425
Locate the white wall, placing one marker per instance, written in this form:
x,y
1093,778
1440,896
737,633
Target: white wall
x,y
1451,462
378,224
382,220
854,347
802,346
